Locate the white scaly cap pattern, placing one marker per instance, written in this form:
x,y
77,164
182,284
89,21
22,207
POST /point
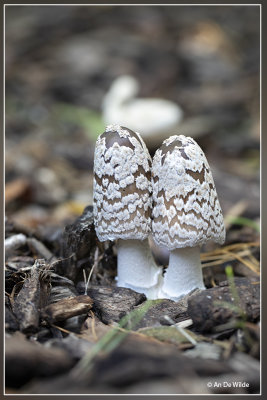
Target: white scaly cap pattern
x,y
122,185
186,210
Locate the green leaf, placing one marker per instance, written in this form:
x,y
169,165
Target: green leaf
x,y
91,121
243,222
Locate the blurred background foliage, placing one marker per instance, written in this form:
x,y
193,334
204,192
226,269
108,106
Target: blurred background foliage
x,y
60,63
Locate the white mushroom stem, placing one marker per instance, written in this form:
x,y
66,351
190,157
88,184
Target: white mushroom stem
x,y
137,269
183,274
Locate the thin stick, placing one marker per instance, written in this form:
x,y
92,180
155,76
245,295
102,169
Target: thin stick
x,y
93,267
96,261
93,325
84,278
66,331
181,330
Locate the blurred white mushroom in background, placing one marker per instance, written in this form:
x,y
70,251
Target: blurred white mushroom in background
x,y
156,119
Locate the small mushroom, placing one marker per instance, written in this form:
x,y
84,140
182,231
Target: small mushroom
x,y
122,206
186,212
154,118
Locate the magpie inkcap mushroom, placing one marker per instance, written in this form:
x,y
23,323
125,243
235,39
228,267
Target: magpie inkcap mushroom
x,y
186,212
123,206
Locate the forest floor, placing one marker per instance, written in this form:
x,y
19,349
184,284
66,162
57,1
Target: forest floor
x,y
66,333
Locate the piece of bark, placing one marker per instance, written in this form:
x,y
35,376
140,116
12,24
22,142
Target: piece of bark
x,y
67,308
80,236
78,242
165,312
25,360
59,280
138,359
209,308
45,288
15,271
31,298
112,303
62,288
16,268
59,293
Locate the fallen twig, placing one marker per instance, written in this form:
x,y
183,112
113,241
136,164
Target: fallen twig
x,y
14,242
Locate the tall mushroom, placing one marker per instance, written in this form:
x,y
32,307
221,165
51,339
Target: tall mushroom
x,y
122,206
186,212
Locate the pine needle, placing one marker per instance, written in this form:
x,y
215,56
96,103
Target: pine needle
x,y
238,251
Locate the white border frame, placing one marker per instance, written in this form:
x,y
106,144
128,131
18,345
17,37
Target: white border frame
x,y
260,110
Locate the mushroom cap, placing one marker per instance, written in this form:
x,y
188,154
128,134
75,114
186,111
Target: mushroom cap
x,y
155,118
186,210
122,185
